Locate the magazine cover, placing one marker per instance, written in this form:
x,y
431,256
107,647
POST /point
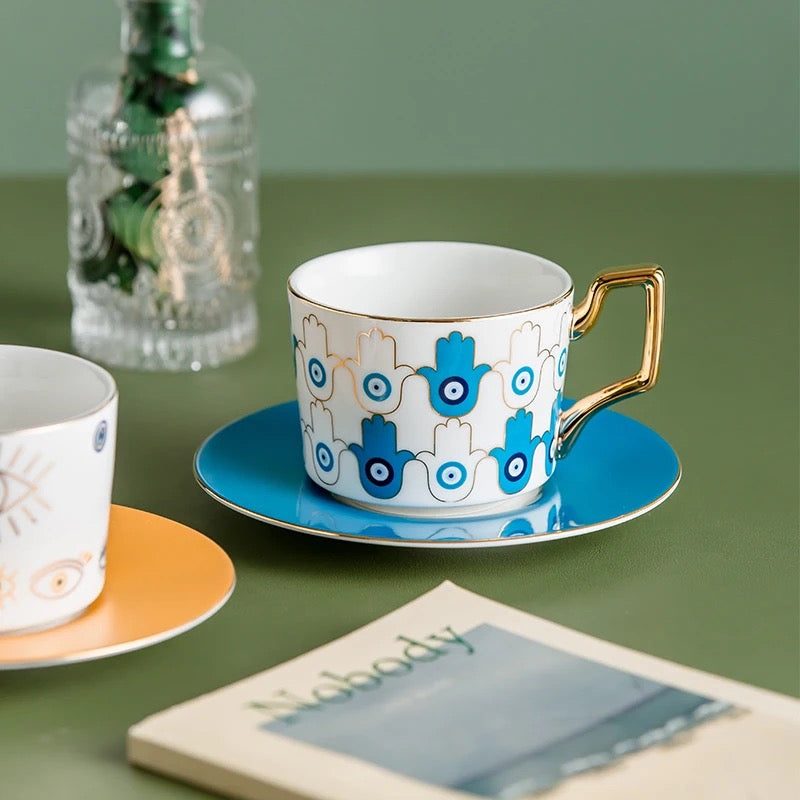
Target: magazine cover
x,y
458,696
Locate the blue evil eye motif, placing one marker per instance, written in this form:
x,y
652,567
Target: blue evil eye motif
x,y
376,386
320,446
515,459
451,466
100,436
522,380
454,382
380,463
324,457
561,366
451,475
377,377
559,351
550,439
317,373
313,360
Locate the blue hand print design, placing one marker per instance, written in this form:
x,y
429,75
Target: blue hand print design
x,y
550,438
515,459
454,382
380,463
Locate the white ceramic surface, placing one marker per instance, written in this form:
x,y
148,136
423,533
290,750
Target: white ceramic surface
x,y
430,374
58,422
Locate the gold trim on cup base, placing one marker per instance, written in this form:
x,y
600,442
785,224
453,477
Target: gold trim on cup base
x,y
451,512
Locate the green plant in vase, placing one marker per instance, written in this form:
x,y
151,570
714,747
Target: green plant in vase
x,y
159,80
162,196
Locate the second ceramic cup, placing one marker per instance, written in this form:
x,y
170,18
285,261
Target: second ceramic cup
x,y
430,374
58,422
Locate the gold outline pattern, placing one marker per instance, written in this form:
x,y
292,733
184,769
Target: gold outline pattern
x,y
483,457
30,494
76,564
8,586
544,352
357,360
309,430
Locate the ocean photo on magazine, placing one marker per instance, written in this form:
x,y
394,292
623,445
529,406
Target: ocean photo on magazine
x,y
489,713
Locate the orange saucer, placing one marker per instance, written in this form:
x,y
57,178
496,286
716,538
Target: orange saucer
x,y
162,579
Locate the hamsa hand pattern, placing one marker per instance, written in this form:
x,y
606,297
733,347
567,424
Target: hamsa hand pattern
x,y
380,463
454,382
324,448
451,465
377,377
522,373
515,458
316,363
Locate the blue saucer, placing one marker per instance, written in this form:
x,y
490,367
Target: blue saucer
x,y
617,470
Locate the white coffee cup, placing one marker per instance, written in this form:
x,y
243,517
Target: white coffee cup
x,y
58,422
430,375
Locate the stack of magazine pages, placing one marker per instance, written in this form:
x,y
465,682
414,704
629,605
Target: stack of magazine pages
x,y
457,696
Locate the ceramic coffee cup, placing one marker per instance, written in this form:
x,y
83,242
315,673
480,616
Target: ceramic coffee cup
x,y
430,374
58,421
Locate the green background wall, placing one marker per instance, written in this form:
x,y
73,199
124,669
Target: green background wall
x,y
457,85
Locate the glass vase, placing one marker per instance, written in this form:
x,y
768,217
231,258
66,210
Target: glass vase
x,y
163,198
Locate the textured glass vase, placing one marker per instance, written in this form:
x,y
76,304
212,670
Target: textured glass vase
x,y
162,198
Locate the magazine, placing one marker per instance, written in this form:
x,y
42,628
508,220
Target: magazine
x,y
457,696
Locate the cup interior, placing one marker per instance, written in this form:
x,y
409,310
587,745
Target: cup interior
x,y
430,280
45,387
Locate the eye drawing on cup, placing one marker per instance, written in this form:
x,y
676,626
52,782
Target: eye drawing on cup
x,y
451,465
454,382
19,490
60,578
325,449
514,459
317,364
8,585
378,378
522,373
380,463
100,436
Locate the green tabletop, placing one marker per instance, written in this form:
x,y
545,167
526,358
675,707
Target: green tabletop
x,y
709,579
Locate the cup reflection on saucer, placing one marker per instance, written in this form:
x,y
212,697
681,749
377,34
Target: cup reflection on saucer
x,y
548,515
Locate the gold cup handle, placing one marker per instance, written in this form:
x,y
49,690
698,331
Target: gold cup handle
x,y
585,314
